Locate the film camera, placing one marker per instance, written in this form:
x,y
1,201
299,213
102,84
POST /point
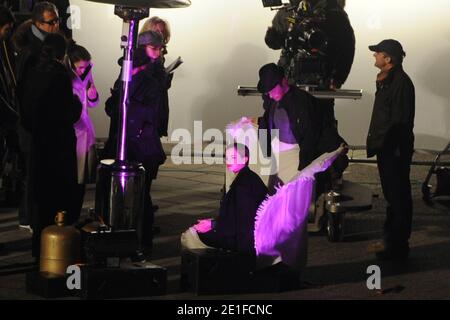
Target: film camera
x,y
305,44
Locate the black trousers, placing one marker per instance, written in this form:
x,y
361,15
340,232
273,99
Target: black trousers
x,y
44,215
149,215
394,169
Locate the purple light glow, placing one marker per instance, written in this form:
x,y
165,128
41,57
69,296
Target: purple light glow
x,y
127,69
282,219
122,181
280,226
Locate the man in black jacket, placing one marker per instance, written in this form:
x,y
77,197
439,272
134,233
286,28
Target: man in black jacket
x,y
50,111
391,139
234,228
295,113
28,40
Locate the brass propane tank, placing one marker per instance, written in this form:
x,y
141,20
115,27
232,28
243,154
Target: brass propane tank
x,y
60,246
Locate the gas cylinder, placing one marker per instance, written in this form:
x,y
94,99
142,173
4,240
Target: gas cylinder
x,y
60,246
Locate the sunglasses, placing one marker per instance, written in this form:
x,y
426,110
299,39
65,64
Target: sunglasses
x,y
51,22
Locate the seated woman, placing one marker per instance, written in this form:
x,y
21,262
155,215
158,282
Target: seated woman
x,y
233,229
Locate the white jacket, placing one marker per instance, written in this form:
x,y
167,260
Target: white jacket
x,y
84,128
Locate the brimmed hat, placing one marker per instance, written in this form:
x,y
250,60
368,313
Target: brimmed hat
x,y
151,38
270,75
391,47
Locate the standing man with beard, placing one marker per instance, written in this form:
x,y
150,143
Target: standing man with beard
x,y
391,139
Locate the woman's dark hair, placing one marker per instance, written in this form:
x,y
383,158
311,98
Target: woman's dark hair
x,y
242,149
77,53
6,16
53,48
140,58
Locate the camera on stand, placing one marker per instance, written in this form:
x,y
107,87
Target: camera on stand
x,y
298,29
304,55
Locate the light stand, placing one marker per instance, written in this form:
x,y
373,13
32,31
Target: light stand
x,y
120,187
119,196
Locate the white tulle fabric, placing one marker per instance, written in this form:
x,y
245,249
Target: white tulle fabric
x,y
282,219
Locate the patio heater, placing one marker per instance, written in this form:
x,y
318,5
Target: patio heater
x,y
120,186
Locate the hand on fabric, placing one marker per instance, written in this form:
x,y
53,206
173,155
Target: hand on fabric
x,y
203,226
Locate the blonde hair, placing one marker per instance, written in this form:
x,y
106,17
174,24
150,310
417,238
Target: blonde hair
x,y
152,23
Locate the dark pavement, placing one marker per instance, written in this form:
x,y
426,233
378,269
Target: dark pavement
x,y
338,270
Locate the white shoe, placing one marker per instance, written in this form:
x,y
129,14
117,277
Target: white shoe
x,y
26,227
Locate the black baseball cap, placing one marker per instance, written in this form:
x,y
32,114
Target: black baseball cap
x,y
391,47
151,38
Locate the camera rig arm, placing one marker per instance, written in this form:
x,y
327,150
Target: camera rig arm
x,y
245,91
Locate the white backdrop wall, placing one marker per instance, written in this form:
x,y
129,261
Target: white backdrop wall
x,y
222,44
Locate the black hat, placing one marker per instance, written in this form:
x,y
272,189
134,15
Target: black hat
x,y
151,37
391,47
270,75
